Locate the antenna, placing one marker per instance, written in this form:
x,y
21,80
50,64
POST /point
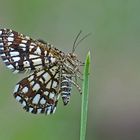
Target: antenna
x,y
76,44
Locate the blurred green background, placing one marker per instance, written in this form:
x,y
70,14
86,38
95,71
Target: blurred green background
x,y
114,102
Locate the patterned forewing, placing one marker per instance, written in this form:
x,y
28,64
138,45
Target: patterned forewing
x,y
39,92
21,53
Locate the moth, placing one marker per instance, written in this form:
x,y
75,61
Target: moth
x,y
51,71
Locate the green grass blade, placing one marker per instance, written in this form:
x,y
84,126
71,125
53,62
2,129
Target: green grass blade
x,y
85,93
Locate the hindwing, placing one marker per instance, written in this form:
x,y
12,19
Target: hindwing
x,y
39,92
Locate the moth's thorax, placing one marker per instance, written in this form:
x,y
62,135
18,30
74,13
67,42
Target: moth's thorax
x,y
56,53
71,63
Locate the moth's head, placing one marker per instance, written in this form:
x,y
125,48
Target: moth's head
x,y
72,61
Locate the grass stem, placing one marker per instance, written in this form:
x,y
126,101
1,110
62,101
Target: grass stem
x,y
85,93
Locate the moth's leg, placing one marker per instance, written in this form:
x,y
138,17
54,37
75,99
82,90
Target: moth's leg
x,y
78,76
27,71
60,79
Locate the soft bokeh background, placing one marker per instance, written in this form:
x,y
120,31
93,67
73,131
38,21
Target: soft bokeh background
x,y
114,102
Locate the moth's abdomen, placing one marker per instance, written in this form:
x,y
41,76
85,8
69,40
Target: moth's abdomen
x,y
66,87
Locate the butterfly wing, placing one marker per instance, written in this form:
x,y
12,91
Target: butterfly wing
x,y
39,92
21,53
